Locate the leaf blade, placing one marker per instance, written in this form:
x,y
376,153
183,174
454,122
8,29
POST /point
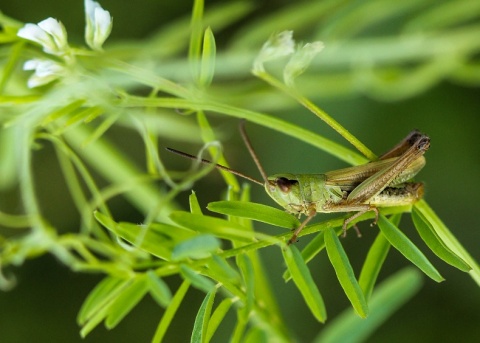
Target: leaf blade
x,y
255,211
303,280
200,326
126,301
407,248
345,274
435,243
387,298
170,312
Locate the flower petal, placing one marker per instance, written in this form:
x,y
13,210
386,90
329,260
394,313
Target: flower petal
x,y
56,29
35,34
277,46
99,24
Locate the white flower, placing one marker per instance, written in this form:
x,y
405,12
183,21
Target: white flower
x,y
276,47
49,33
99,24
300,61
46,71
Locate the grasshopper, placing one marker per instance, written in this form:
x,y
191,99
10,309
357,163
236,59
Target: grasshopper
x,y
381,183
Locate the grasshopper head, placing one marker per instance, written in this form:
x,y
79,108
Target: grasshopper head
x,y
285,190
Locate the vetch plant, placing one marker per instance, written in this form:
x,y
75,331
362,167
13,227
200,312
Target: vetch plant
x,y
214,249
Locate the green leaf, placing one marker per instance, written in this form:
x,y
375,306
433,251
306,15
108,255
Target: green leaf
x,y
407,248
304,281
373,263
215,226
258,212
217,317
246,267
200,327
158,289
345,274
194,205
201,246
99,303
126,301
220,265
387,298
197,280
196,24
435,243
98,298
317,244
256,335
208,58
170,312
449,239
147,239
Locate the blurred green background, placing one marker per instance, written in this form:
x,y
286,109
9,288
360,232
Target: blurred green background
x,y
44,304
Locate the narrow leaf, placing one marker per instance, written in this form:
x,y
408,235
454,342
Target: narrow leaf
x,y
201,246
126,301
435,243
142,237
217,317
407,248
345,274
246,267
219,265
194,205
200,327
98,297
449,239
373,263
304,282
387,298
158,289
257,335
215,226
208,58
197,280
196,38
254,211
170,312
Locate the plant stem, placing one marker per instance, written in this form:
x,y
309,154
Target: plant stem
x,y
318,112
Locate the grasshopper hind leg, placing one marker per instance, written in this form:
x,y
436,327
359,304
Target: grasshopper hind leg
x,y
355,216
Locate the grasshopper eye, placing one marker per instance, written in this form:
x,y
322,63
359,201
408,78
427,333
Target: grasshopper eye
x,y
285,184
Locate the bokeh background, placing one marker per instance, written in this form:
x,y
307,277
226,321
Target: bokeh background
x,y
44,304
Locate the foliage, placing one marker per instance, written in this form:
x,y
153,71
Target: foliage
x,y
82,93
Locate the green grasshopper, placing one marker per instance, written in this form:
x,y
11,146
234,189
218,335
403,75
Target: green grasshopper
x,y
381,183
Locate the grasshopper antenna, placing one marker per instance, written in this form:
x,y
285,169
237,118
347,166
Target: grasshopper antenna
x,y
251,151
218,166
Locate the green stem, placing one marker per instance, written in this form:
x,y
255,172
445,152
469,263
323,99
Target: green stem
x,y
319,113
265,120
